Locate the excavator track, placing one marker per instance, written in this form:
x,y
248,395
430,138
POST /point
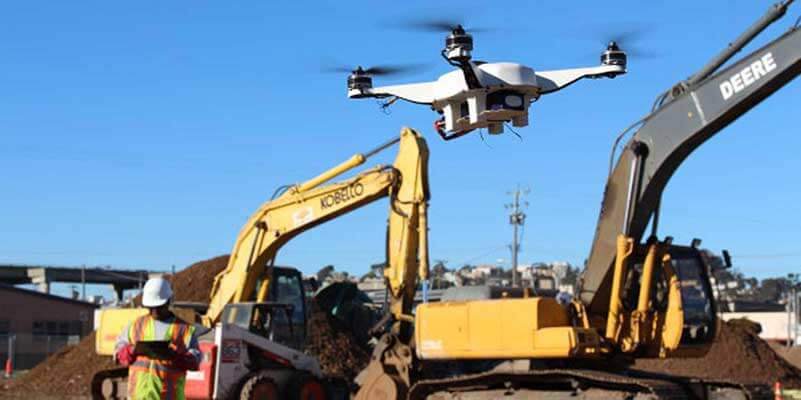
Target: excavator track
x,y
587,384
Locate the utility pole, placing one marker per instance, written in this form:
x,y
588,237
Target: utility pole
x,y
792,308
516,219
795,315
83,282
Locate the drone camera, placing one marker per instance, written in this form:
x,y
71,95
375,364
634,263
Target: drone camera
x,y
613,56
459,45
359,80
505,100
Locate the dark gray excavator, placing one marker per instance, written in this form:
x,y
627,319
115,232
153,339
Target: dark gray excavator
x,y
682,119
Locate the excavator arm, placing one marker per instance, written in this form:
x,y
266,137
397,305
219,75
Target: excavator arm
x,y
304,206
684,118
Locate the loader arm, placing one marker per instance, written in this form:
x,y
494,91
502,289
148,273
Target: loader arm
x,y
309,204
692,112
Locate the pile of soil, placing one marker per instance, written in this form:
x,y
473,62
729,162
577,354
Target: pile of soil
x,y
67,372
336,348
737,355
791,354
194,282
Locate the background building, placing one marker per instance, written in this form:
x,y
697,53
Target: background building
x,y
34,325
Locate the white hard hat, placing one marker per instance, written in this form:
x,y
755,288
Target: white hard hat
x,y
156,293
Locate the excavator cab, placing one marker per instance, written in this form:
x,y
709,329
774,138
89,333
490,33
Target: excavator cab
x,y
666,303
698,302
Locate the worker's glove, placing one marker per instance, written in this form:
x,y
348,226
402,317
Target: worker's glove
x,y
186,361
125,355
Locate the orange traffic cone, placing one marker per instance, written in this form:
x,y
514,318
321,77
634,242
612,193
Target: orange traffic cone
x,y
777,391
9,367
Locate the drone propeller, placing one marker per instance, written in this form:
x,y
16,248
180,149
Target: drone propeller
x,y
378,70
626,39
435,24
628,36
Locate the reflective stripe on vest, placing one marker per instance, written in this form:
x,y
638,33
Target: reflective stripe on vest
x,y
157,379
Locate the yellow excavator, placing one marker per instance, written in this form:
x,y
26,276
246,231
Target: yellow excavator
x,y
638,297
256,317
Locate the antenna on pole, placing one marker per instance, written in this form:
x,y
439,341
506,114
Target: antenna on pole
x,y
516,218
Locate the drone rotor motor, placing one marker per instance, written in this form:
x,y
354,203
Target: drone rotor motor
x,y
458,45
613,56
359,80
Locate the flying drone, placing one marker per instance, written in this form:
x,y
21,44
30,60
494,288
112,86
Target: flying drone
x,y
480,94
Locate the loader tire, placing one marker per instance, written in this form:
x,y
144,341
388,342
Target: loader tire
x,y
303,386
259,387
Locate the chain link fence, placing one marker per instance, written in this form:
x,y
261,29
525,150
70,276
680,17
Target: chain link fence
x,y
26,350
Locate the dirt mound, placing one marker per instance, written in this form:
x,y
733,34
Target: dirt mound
x,y
336,348
791,354
194,282
737,355
67,372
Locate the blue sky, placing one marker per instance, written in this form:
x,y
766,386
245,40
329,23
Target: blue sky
x,y
143,134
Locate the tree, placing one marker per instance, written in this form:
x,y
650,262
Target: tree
x,y
439,268
324,273
378,268
438,272
772,289
571,276
369,275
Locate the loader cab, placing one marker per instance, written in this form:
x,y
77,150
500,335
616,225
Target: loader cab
x,y
282,318
287,288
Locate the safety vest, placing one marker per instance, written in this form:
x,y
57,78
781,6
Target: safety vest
x,y
150,379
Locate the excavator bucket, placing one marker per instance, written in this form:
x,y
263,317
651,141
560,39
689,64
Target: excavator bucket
x,y
351,307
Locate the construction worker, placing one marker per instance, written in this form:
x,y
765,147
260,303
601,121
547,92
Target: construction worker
x,y
158,376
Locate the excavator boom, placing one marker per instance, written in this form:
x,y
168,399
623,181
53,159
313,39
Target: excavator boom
x,y
693,112
309,204
304,206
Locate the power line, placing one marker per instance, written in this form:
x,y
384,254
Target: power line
x,y
775,255
482,255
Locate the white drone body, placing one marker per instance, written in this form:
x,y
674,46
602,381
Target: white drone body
x,y
484,95
506,91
